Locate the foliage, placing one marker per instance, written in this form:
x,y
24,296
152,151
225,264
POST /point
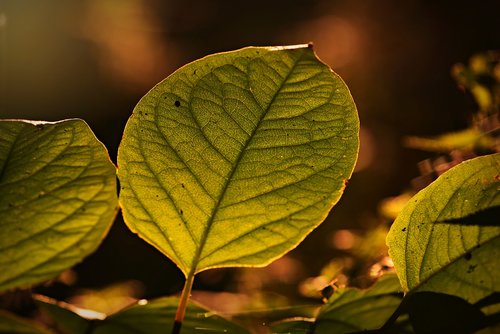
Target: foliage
x,y
232,161
58,198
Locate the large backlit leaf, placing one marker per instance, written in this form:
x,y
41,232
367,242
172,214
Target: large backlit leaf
x,y
352,310
156,316
235,158
57,198
436,242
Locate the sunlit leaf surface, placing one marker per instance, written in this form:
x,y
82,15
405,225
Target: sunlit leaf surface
x,y
235,158
351,310
57,198
153,317
437,243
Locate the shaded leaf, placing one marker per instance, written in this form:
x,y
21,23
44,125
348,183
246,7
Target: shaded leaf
x,y
68,318
294,326
156,316
432,312
456,259
11,324
235,158
57,198
352,310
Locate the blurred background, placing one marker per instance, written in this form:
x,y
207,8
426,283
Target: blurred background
x,y
95,59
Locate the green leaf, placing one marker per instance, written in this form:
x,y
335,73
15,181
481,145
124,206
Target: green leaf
x,y
294,326
235,158
67,318
351,310
152,317
11,324
57,198
432,252
157,317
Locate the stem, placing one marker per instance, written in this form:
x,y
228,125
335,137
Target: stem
x,y
181,309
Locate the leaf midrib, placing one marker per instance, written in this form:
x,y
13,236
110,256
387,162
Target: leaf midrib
x,y
206,231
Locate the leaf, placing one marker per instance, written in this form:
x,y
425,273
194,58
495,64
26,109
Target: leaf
x,y
67,318
351,310
432,312
57,198
11,324
294,326
451,258
235,158
151,317
467,139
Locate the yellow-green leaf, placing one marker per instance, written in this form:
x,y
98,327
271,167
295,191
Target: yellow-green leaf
x,y
446,239
235,158
468,139
57,198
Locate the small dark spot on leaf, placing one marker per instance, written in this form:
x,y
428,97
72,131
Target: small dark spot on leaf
x,y
194,72
182,212
146,113
468,256
182,185
404,229
471,268
157,196
481,282
177,103
10,205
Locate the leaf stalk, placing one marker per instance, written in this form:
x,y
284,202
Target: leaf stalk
x,y
181,309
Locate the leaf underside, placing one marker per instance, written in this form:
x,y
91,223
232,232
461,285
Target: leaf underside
x,y
437,243
57,198
235,158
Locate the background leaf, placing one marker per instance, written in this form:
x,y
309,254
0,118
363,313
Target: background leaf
x,y
458,259
156,316
351,310
294,326
235,158
57,198
11,324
